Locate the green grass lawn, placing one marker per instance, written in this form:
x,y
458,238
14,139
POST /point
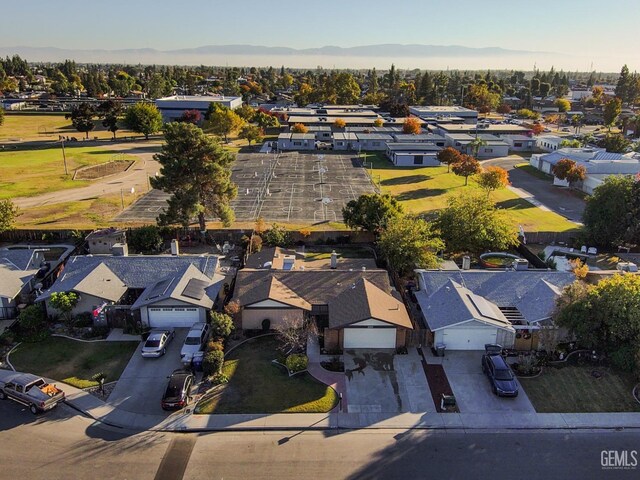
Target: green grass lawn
x,y
71,361
258,386
426,190
317,253
30,126
28,173
573,389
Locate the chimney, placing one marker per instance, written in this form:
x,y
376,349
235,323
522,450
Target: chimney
x,y
175,247
120,250
334,260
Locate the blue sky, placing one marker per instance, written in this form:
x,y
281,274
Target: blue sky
x,y
578,27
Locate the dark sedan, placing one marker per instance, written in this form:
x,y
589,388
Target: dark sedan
x,y
177,395
503,382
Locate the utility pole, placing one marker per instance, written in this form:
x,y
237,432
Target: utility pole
x,y
64,158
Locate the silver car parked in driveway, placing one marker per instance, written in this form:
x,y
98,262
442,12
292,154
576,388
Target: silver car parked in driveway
x,y
195,342
156,343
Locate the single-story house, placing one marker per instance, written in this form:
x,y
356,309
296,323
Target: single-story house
x,y
520,143
296,141
548,143
413,154
352,308
167,290
100,242
465,309
598,163
18,276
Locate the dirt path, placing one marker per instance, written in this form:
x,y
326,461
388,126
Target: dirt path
x,y
136,177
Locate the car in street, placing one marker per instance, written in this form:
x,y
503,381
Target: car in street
x,y
156,343
176,396
195,341
503,382
29,390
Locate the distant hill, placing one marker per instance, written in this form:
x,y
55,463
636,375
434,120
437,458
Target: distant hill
x,y
405,56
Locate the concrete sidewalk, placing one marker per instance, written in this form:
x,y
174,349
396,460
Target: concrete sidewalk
x,y
186,421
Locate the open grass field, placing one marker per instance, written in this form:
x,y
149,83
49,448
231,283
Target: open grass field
x,y
573,389
39,126
26,173
73,362
258,386
426,190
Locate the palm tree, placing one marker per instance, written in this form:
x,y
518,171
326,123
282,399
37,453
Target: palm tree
x,y
476,144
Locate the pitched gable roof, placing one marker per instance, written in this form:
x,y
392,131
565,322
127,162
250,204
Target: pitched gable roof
x,y
363,301
453,304
539,303
103,283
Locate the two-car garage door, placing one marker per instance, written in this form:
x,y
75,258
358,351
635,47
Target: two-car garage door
x,y
166,317
370,337
468,338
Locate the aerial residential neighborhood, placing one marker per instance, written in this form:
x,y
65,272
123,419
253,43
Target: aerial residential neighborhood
x,y
235,251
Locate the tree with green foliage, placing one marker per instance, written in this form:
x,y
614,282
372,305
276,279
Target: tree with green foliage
x,y
480,98
264,120
476,144
409,242
371,212
246,112
492,178
64,302
110,112
8,214
570,143
1,116
221,324
606,317
632,217
146,240
32,323
251,133
223,122
472,223
449,155
605,214
82,117
612,110
276,236
615,143
144,118
212,362
465,167
196,171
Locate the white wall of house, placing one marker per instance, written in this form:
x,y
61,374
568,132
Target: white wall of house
x,y
467,336
252,317
415,159
369,333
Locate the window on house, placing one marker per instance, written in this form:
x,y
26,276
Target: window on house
x,y
517,144
488,150
297,144
418,159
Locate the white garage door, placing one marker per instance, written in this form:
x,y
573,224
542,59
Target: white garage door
x,y
369,338
165,317
471,338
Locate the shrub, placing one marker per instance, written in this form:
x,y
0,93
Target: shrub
x,y
84,319
297,362
219,379
100,331
32,324
145,239
212,362
215,345
276,236
256,243
221,324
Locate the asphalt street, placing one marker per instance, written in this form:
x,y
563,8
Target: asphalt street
x,y
63,444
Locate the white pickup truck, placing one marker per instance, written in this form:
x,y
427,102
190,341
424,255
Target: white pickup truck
x,y
29,390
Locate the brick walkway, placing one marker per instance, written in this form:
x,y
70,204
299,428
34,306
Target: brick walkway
x,y
336,380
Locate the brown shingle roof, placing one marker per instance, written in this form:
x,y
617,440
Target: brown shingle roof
x,y
313,286
363,301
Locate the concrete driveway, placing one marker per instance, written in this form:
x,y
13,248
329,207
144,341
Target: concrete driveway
x,y
379,381
560,200
144,381
472,389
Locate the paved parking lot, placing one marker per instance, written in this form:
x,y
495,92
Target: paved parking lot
x,y
379,381
144,381
472,389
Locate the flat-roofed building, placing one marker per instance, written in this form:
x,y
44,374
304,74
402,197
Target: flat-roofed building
x,y
173,107
439,114
413,154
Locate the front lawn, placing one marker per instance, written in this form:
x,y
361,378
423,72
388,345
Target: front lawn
x,y
426,190
258,386
71,361
573,389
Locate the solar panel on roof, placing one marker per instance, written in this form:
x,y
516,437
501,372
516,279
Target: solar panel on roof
x,y
483,307
195,289
160,288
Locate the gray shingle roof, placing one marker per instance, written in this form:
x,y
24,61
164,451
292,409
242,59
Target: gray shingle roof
x,y
133,271
510,288
18,258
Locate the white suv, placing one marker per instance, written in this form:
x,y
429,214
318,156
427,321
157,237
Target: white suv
x,y
195,341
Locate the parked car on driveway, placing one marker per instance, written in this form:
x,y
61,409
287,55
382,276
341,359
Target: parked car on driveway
x,y
195,341
176,396
502,380
29,390
156,343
